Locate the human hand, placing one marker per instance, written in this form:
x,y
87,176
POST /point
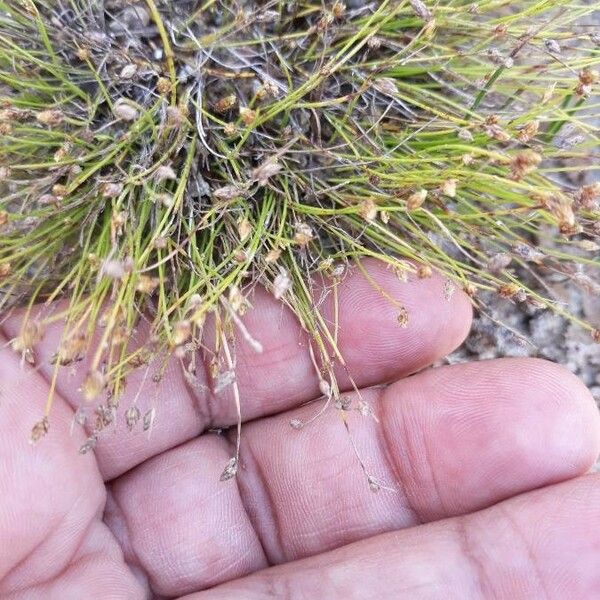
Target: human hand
x,y
487,463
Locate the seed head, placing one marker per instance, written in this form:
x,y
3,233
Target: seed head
x,y
132,417
424,271
281,284
402,318
264,172
499,261
368,210
523,163
230,470
421,10
93,385
245,229
72,349
304,234
509,290
247,115
125,111
225,104
528,131
31,334
128,71
111,190
163,86
553,46
50,117
338,10
147,285
273,255
448,187
39,430
416,200
587,196
165,172
228,192
182,330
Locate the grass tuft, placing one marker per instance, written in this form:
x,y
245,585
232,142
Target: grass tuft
x,y
159,159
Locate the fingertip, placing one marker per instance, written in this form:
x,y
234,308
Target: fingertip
x,y
398,327
576,419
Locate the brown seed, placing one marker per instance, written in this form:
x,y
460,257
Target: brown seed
x,y
596,335
3,218
237,300
5,270
128,71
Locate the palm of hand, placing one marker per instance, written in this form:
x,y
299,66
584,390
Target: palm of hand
x,y
462,447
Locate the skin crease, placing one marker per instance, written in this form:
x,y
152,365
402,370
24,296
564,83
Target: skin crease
x,y
484,471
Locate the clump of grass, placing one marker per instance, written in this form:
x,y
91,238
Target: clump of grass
x,y
158,159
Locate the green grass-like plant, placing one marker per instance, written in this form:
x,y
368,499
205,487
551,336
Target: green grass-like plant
x,y
159,159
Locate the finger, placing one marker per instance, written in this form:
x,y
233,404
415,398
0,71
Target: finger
x,y
449,441
544,544
374,346
51,498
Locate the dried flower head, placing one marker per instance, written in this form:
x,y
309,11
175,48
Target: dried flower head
x,y
93,385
